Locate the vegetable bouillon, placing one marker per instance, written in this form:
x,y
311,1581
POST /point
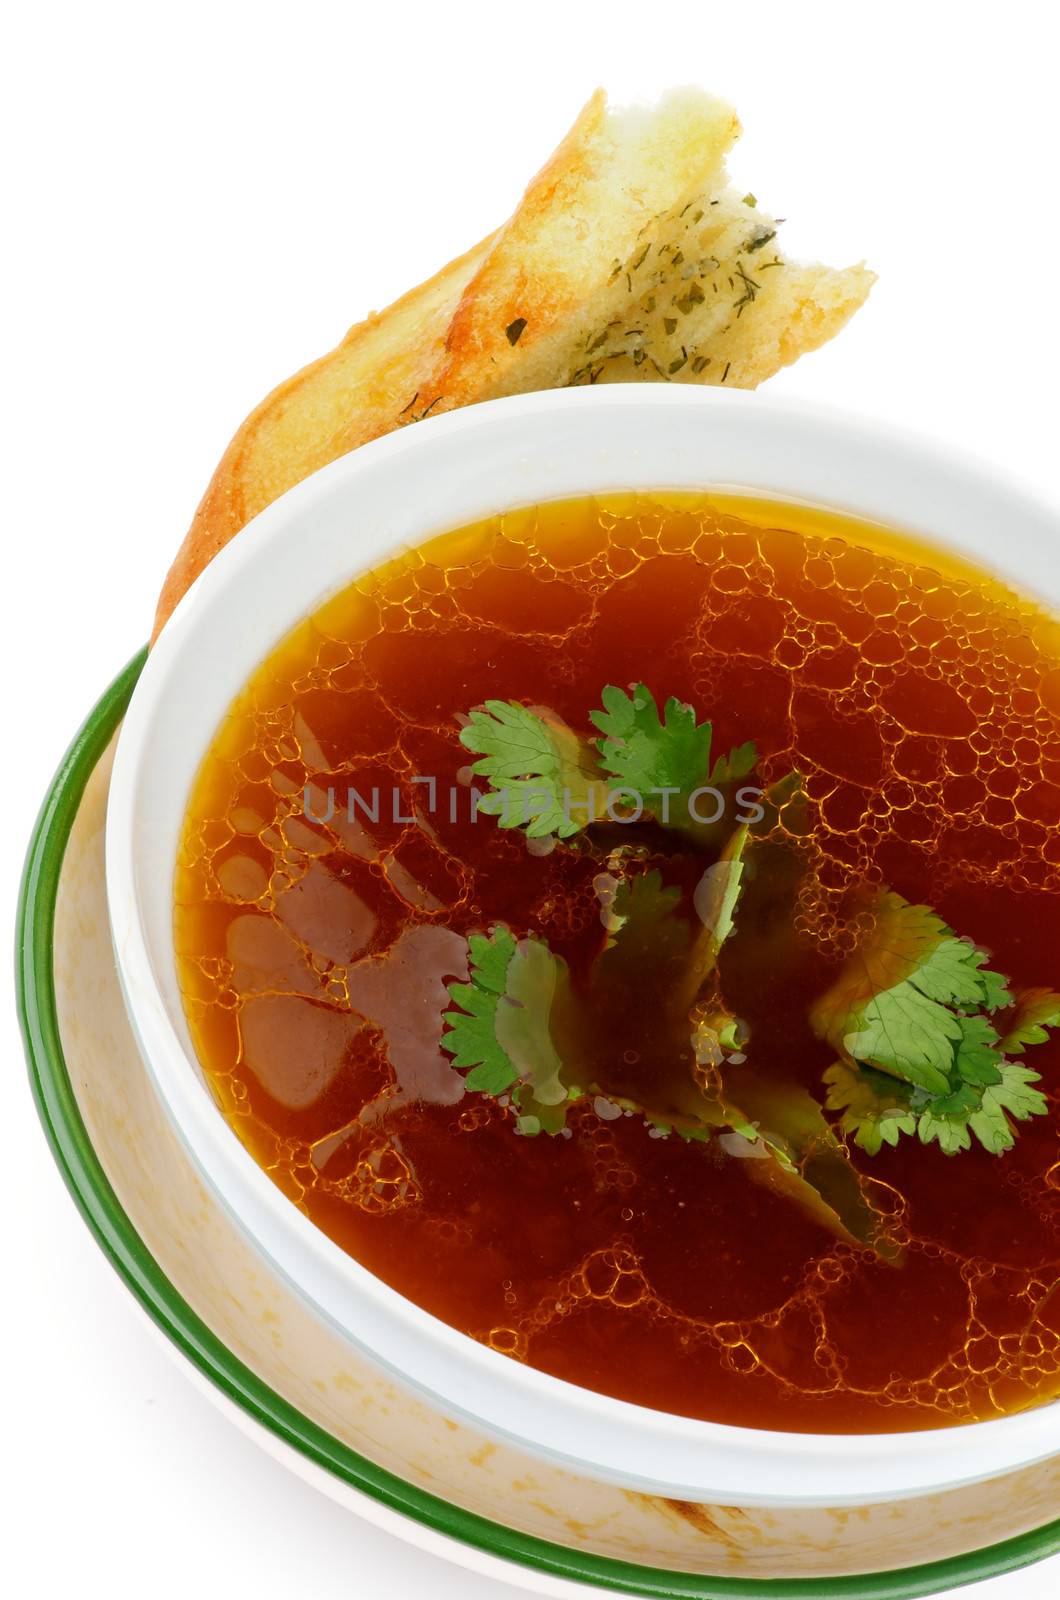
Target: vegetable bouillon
x,y
631,928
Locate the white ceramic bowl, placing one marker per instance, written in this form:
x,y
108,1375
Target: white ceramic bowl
x,y
415,483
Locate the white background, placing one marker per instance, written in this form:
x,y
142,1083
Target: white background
x,y
199,198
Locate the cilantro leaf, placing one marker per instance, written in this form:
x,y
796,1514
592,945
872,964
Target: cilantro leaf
x,y
543,776
472,1032
739,763
1014,1095
985,1112
890,1006
808,1164
523,1033
777,1127
500,1028
523,1018
644,932
650,752
998,995
549,780
776,1131
651,938
667,756
874,1108
716,896
521,1030
977,1058
718,890
913,1017
921,1026
1033,1012
947,1120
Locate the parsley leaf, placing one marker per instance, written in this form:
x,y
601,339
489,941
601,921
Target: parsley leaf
x,y
544,777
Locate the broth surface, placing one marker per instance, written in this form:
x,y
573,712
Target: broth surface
x,y
919,699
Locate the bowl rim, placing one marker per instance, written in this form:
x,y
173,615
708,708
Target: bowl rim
x,y
817,454
193,1342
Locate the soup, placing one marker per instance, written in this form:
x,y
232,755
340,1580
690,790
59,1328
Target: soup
x,y
629,928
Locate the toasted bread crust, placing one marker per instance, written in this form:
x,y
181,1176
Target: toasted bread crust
x,y
585,210
338,402
629,258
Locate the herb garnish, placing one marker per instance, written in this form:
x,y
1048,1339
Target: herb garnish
x,y
502,1029
750,290
659,754
921,1027
912,1017
529,1040
544,776
551,780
